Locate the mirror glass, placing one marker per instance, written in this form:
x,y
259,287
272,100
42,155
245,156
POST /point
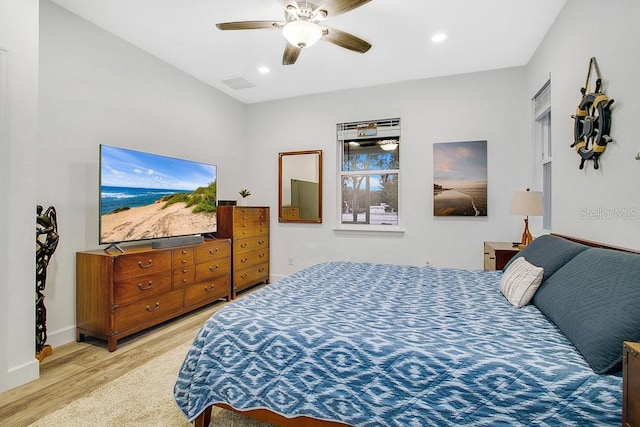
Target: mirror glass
x,y
300,186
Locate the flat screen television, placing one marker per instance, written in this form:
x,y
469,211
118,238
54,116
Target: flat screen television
x,y
148,196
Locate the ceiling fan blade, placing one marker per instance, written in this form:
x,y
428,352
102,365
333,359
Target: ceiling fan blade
x,y
291,54
338,7
250,25
345,40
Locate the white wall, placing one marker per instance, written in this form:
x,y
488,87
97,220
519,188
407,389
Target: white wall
x,y
96,88
18,142
604,204
491,105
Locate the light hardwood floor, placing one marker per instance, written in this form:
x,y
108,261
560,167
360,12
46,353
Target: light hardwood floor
x,y
76,369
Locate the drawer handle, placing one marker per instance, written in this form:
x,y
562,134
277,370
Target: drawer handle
x,y
184,271
244,225
213,267
184,261
244,276
213,251
144,288
244,245
209,288
261,242
243,260
260,270
184,280
149,309
261,255
184,252
145,266
492,257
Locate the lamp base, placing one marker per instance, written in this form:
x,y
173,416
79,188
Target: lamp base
x,y
526,235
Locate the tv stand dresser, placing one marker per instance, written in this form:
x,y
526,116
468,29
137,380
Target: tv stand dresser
x,y
119,294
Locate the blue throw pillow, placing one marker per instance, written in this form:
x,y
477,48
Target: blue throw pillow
x,y
550,253
595,301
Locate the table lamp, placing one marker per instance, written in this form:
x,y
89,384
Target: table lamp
x,y
526,203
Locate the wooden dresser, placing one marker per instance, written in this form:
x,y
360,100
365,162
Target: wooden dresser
x,y
248,229
498,254
118,294
631,384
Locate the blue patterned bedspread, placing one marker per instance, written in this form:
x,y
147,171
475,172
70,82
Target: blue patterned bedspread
x,y
372,345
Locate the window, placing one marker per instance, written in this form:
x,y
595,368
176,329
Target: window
x,y
369,172
542,142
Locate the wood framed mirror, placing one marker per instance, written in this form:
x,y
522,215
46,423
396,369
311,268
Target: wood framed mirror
x,y
300,186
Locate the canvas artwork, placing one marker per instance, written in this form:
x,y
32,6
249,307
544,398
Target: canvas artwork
x,y
460,178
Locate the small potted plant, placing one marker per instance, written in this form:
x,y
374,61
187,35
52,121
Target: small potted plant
x,y
244,193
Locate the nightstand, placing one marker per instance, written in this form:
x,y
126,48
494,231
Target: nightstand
x,y
631,384
498,254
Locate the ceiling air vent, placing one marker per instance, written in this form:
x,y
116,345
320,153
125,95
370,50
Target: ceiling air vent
x,y
238,82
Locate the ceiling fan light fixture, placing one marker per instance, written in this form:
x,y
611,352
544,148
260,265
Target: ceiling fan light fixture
x,y
302,33
388,144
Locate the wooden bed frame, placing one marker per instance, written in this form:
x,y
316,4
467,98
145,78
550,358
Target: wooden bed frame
x,y
267,416
264,415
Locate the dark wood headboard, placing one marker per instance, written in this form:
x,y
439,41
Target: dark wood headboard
x,y
595,244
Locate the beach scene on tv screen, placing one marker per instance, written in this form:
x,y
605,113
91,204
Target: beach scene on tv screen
x,y
146,196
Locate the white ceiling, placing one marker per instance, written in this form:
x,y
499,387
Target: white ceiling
x,y
482,35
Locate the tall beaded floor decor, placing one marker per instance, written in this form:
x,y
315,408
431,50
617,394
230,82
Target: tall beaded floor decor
x,y
46,243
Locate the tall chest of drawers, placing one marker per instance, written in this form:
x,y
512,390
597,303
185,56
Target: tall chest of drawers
x,y
118,294
248,229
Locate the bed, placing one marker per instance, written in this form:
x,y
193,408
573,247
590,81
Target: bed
x,y
362,344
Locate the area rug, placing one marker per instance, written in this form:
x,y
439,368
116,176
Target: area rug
x,y
143,397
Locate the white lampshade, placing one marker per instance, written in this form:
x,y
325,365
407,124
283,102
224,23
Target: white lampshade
x,y
302,33
527,203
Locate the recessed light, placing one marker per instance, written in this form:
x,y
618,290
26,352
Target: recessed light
x,y
263,69
439,37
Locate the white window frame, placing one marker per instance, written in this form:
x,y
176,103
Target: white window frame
x,y
542,124
393,132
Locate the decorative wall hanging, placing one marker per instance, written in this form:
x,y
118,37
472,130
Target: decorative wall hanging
x,y
592,121
460,178
46,243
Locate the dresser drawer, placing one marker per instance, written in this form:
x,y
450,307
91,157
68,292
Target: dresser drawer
x,y
245,259
184,276
134,288
208,291
213,251
251,275
249,214
489,257
498,254
250,244
150,262
147,311
182,257
213,269
251,229
289,212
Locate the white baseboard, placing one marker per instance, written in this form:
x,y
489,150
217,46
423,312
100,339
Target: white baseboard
x,y
23,374
61,336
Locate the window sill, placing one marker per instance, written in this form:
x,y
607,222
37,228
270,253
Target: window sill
x,y
372,230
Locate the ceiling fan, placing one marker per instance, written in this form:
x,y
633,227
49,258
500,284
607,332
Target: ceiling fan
x,y
303,26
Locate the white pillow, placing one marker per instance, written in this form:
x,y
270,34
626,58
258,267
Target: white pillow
x,y
520,281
